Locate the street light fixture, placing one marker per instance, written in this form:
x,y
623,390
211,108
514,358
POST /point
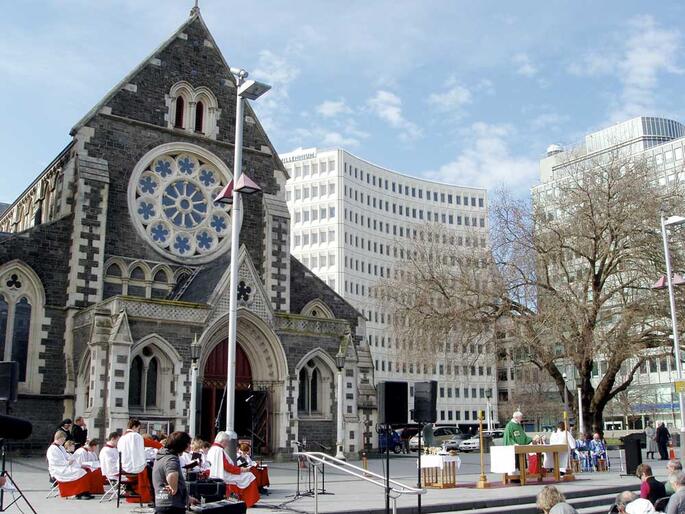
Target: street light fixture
x,y
340,364
673,221
251,90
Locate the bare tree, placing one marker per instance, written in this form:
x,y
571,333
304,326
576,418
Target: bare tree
x,y
571,269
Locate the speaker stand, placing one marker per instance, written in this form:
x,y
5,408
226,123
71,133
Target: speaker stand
x,y
6,475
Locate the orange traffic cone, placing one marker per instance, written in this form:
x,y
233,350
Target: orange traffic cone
x,y
671,451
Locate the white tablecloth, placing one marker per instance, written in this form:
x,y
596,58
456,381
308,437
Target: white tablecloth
x,y
502,459
439,461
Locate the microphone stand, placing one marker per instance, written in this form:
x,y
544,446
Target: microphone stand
x,y
6,475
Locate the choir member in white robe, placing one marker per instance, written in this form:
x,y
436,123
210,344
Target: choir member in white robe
x,y
109,457
561,436
238,480
72,479
86,455
134,462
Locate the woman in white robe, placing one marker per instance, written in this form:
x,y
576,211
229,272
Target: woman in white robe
x,y
238,480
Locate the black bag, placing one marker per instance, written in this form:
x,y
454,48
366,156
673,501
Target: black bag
x,y
211,489
221,507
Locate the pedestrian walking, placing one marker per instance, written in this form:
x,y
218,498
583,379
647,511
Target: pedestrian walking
x,y
650,440
662,438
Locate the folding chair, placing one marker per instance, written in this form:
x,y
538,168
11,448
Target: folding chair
x,y
111,489
54,489
123,478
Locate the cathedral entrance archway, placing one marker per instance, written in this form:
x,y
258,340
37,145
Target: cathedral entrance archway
x,y
262,372
213,391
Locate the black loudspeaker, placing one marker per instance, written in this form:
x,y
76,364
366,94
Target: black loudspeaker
x,y
393,403
425,402
631,444
9,378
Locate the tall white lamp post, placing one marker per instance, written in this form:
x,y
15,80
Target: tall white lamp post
x,y
565,394
340,364
667,222
194,355
251,90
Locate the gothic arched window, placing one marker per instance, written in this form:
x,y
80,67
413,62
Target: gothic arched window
x,y
135,386
151,386
22,299
180,107
310,387
199,116
20,335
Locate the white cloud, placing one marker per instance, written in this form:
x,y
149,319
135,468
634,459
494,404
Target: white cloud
x,y
488,161
388,107
645,52
452,100
332,108
548,120
323,136
524,65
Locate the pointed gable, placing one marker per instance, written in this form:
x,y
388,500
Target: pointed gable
x,y
191,56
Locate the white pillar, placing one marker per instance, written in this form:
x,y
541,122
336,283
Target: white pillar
x,y
193,400
340,452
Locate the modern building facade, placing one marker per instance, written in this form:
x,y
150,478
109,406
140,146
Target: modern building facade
x,y
661,143
114,274
350,220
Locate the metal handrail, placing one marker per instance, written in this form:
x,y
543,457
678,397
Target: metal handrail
x,y
395,492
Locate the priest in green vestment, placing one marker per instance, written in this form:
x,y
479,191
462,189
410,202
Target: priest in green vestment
x,y
514,433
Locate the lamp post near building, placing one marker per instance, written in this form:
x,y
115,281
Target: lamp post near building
x,y
194,356
672,281
565,393
251,90
340,364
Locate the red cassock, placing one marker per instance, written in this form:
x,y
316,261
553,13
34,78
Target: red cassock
x,y
262,476
249,494
91,482
141,486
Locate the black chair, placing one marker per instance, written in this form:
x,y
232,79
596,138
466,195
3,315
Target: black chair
x,y
660,504
127,480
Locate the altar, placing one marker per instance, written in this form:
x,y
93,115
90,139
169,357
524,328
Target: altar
x,y
503,460
439,471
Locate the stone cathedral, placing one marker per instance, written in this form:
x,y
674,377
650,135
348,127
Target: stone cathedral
x,y
114,274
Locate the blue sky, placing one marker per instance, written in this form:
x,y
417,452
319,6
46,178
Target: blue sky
x,y
464,92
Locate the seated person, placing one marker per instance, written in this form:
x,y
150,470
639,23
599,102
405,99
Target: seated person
x,y
109,457
72,479
238,480
598,450
87,456
672,467
261,473
628,502
195,460
650,489
134,462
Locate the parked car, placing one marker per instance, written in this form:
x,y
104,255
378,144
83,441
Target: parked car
x,y
440,434
454,442
473,444
394,440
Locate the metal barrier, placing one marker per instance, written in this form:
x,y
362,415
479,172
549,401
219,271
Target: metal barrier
x,y
317,459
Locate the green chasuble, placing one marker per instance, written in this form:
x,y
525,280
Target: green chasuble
x,y
514,434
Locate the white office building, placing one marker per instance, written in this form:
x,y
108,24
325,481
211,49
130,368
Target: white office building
x,y
661,143
349,217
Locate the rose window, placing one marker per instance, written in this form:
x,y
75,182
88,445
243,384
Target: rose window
x,y
171,200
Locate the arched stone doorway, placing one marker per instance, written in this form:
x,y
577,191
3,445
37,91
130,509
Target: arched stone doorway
x,y
214,386
264,357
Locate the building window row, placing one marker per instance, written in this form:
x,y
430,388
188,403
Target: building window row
x,y
313,192
314,214
321,260
414,192
311,169
313,237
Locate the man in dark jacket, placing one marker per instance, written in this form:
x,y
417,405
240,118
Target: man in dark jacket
x,y
79,432
662,438
650,489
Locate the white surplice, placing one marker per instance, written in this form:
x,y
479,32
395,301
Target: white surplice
x,y
132,448
560,437
109,461
84,457
62,466
215,457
